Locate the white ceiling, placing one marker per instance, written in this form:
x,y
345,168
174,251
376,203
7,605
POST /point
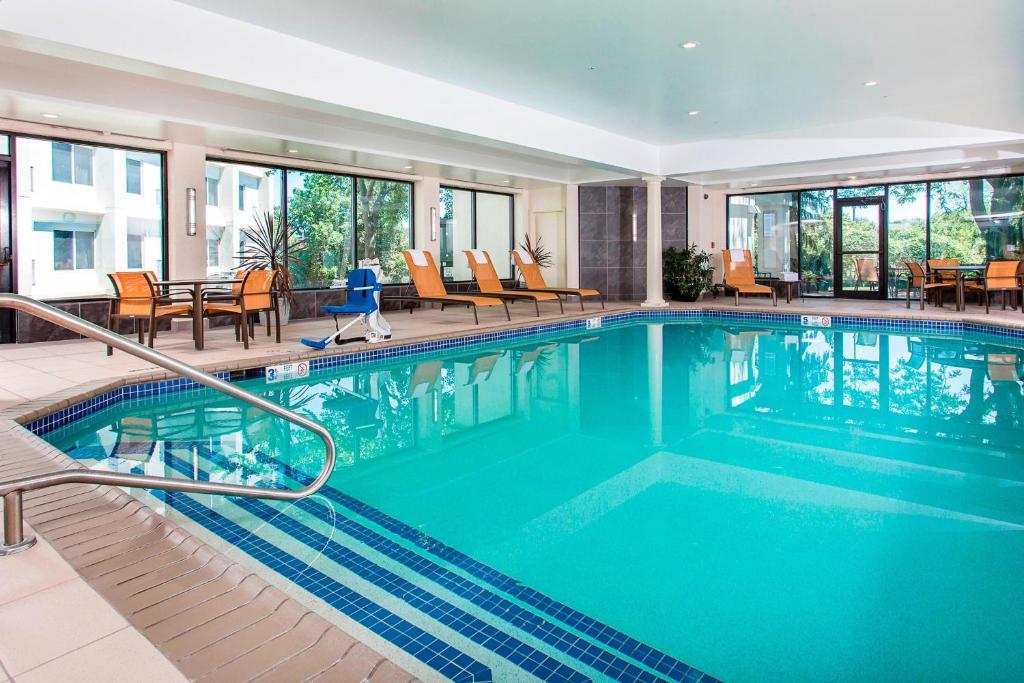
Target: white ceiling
x,y
761,65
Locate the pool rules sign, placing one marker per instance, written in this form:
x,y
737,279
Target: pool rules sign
x,y
286,371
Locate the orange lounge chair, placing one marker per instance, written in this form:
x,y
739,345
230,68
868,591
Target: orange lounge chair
x,y
739,275
535,281
489,283
430,287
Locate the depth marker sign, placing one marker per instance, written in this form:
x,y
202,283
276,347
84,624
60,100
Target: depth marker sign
x,y
285,371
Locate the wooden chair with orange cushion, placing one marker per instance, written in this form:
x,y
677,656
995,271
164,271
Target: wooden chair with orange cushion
x,y
430,288
255,295
867,273
739,275
489,283
136,299
1000,276
918,279
535,280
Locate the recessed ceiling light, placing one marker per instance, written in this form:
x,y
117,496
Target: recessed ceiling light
x,y
689,45
408,167
965,167
693,113
870,84
506,181
853,177
51,116
293,151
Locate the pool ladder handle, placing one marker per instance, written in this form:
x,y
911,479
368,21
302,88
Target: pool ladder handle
x,y
12,491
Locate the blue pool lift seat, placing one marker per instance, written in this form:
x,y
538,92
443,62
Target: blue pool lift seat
x,y
363,303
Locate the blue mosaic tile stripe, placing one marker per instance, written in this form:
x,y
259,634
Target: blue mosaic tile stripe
x,y
435,653
552,634
480,632
628,646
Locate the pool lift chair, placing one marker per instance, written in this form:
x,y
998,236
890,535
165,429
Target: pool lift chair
x,y
363,302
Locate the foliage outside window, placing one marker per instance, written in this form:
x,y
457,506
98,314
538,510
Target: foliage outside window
x,y
320,214
383,223
816,241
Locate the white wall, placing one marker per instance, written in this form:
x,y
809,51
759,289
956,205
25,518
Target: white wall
x,y
548,223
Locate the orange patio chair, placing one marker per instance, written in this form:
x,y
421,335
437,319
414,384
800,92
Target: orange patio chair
x,y
489,283
1000,276
430,287
918,279
136,299
535,281
739,275
255,295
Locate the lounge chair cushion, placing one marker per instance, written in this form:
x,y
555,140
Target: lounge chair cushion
x,y
418,257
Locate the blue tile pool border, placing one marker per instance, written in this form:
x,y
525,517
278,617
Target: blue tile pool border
x,y
64,416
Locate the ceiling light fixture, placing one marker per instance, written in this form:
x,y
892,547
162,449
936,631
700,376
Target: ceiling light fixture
x,y
293,151
870,84
51,116
853,177
693,113
689,45
965,166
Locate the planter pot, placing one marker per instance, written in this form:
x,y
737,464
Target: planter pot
x,y
285,308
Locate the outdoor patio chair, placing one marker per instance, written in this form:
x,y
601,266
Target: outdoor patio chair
x,y
430,287
739,275
535,280
255,295
867,273
136,299
1000,276
918,279
489,283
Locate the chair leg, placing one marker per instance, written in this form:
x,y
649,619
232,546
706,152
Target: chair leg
x,y
476,316
152,330
141,330
987,301
581,303
561,308
508,315
602,302
238,332
536,305
277,319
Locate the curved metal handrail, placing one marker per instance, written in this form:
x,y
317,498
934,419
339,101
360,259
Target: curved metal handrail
x,y
12,491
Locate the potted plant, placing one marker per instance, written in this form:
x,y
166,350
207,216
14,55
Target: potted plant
x,y
687,272
268,244
541,256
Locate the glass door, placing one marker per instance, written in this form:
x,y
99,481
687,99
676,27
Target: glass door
x,y
860,248
6,249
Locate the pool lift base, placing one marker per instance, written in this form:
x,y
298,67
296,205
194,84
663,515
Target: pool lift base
x,y
363,286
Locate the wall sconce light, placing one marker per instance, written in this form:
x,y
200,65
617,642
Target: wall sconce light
x,y
634,226
190,211
433,224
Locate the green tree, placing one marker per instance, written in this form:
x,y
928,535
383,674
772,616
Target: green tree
x,y
384,208
321,213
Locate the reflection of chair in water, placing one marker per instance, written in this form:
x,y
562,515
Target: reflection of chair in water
x,y
867,273
866,339
917,353
1002,367
481,366
135,439
425,378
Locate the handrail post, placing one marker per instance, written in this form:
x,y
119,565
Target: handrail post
x,y
14,530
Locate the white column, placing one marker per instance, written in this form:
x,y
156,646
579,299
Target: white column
x,y
655,381
654,279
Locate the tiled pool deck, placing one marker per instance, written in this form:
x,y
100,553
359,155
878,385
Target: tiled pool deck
x,y
65,380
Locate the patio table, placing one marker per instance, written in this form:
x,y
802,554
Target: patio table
x,y
959,271
197,300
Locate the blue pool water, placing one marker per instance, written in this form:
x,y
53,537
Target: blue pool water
x,y
754,502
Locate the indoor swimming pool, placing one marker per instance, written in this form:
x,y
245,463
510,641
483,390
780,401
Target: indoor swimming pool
x,y
742,499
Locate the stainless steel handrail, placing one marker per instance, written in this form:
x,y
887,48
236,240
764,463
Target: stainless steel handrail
x,y
12,491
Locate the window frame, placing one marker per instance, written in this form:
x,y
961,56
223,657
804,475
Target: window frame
x,y
74,248
353,210
473,229
834,189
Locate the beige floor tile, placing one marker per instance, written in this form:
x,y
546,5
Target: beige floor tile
x,y
33,570
121,657
53,622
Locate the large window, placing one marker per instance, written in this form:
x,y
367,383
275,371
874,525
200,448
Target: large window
x,y
472,219
85,211
907,218
384,224
978,219
257,190
974,220
766,224
335,219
